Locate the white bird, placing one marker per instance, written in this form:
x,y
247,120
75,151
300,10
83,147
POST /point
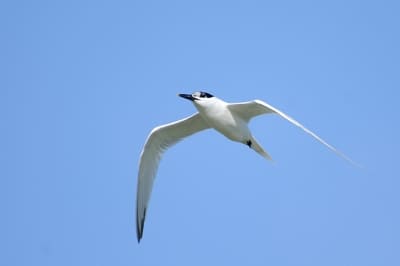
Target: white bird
x,y
230,119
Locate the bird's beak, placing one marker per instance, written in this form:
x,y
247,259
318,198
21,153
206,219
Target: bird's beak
x,y
187,96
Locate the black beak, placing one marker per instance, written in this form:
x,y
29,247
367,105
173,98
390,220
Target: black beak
x,y
187,96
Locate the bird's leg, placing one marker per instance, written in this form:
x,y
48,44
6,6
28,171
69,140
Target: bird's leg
x,y
248,143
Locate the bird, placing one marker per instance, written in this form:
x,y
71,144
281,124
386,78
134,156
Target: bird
x,y
229,119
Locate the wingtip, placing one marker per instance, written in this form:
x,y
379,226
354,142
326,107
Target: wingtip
x,y
345,157
139,234
355,164
140,227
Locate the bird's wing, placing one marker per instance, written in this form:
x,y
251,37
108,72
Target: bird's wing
x,y
248,110
158,141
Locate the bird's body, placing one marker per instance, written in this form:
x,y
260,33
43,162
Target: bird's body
x,y
218,116
229,119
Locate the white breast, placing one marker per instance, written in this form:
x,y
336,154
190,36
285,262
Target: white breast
x,y
219,117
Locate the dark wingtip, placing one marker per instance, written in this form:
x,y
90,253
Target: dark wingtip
x,y
139,235
139,229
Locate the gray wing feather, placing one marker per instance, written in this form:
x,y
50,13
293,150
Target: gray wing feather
x,y
158,141
248,110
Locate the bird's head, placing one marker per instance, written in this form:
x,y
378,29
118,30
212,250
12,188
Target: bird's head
x,y
198,96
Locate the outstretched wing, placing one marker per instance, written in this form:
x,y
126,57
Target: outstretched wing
x,y
248,110
159,140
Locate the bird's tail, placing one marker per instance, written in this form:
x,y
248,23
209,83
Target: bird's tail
x,y
257,147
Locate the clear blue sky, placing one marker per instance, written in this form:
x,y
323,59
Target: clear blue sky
x,y
83,83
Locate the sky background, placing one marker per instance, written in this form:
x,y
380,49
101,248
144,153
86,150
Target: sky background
x,y
82,83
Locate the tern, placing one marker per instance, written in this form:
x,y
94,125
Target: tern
x,y
229,119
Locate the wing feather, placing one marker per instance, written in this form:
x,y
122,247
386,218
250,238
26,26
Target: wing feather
x,y
158,141
248,110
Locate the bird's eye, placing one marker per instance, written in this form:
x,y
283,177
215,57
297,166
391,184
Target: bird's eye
x,y
201,94
205,95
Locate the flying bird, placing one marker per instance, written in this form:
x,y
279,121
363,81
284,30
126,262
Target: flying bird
x,y
229,119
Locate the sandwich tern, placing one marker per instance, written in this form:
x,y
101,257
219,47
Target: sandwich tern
x,y
230,119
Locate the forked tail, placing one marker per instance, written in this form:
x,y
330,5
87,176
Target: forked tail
x,y
257,147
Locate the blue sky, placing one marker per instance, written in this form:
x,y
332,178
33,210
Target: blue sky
x,y
83,83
